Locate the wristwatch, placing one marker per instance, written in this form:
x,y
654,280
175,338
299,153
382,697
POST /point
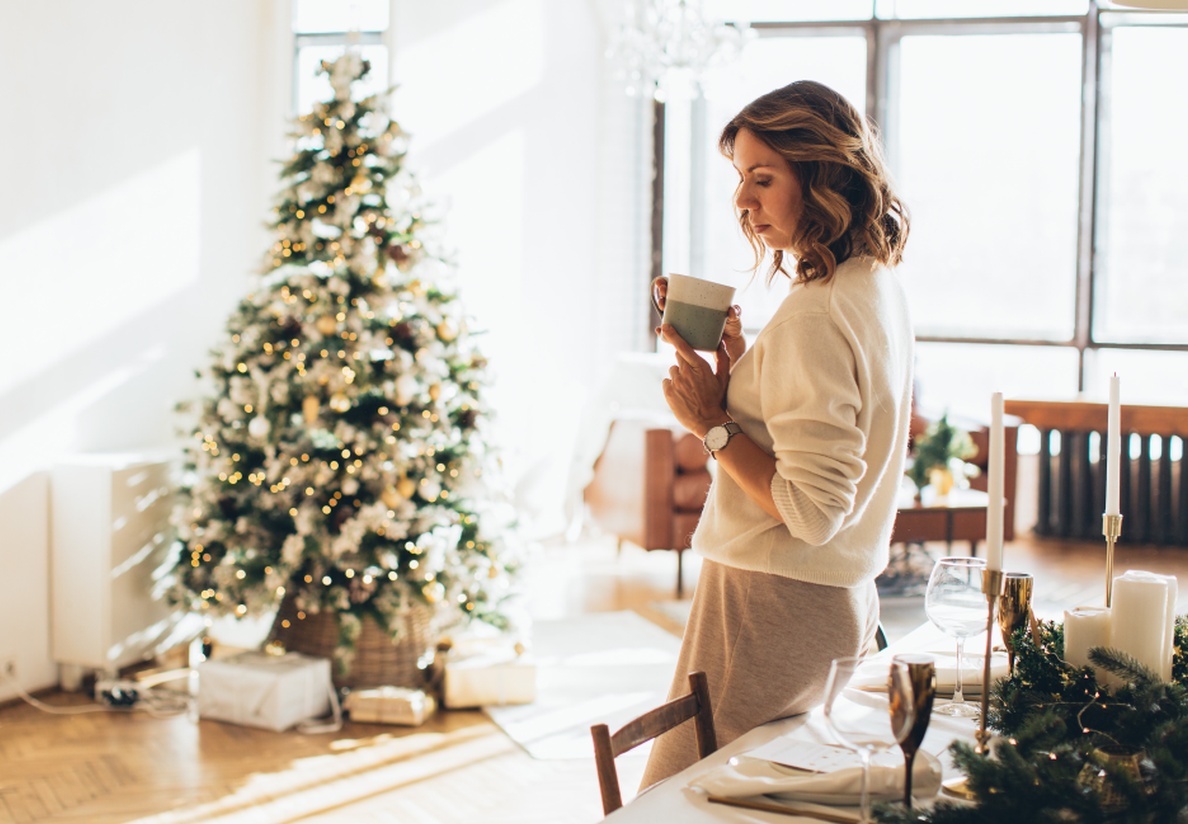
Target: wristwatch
x,y
720,435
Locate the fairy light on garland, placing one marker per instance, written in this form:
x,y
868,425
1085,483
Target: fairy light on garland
x,y
335,457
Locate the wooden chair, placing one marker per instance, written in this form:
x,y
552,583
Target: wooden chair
x,y
607,747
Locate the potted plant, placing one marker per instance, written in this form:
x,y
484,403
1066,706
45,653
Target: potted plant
x,y
939,454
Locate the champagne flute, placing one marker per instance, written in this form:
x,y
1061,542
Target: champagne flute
x,y
1014,610
954,602
864,728
922,679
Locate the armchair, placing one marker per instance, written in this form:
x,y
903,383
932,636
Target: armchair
x,y
649,486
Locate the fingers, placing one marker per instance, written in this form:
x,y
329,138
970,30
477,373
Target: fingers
x,y
734,320
669,333
684,352
659,291
722,363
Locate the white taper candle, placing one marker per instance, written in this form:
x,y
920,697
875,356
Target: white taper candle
x,y
1113,449
994,486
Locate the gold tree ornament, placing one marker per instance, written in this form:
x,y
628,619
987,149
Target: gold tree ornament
x,y
1122,760
310,406
327,325
405,487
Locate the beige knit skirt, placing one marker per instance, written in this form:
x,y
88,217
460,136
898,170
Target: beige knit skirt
x,y
765,643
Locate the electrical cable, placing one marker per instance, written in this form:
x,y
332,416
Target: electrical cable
x,y
121,696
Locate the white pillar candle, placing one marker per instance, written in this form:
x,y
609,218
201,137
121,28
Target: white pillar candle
x,y
995,486
1139,624
1169,626
1113,448
1085,628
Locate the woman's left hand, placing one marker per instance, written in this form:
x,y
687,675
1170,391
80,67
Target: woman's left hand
x,y
695,392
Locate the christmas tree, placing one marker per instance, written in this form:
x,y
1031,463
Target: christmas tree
x,y
340,459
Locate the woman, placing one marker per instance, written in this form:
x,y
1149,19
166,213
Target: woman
x,y
809,426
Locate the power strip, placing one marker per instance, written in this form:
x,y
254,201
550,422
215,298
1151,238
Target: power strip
x,y
117,693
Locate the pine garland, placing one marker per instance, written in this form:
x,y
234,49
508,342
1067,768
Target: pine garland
x,y
1053,719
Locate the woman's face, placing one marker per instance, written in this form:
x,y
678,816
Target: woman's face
x,y
768,191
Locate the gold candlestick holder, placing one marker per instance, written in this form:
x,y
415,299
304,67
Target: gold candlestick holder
x,y
1014,611
992,582
1111,528
992,586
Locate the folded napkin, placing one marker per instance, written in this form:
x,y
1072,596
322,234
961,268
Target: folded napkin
x,y
873,676
754,776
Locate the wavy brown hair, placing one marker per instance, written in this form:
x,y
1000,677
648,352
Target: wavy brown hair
x,y
850,207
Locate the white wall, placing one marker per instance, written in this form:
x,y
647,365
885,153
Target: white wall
x,y
136,174
518,129
134,179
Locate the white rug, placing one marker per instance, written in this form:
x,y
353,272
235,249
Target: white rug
x,y
604,667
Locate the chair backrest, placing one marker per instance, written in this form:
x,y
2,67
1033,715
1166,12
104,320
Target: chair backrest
x,y
607,747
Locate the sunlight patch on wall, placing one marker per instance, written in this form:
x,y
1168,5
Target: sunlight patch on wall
x,y
52,435
484,222
76,276
475,66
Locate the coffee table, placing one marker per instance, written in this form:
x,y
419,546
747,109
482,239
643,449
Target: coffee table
x,y
958,516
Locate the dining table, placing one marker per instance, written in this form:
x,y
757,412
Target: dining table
x,y
674,799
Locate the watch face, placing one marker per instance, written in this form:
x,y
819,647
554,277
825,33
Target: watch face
x,y
716,438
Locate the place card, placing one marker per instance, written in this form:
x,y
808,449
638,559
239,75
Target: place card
x,y
813,757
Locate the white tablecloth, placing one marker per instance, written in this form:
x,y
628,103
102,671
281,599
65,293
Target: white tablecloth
x,y
674,800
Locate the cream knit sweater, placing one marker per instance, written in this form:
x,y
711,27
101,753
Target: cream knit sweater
x,y
826,388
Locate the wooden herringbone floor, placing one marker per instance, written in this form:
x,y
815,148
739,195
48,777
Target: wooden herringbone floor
x,y
111,768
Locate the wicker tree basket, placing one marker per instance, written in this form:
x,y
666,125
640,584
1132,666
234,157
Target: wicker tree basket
x,y
379,660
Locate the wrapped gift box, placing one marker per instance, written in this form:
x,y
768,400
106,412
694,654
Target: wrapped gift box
x,y
255,689
390,705
477,674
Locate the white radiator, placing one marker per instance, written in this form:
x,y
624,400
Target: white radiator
x,y
109,517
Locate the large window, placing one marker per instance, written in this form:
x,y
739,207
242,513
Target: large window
x,y
324,29
1040,155
1144,186
988,163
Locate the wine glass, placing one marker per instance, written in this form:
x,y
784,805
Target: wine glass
x,y
922,678
954,602
863,727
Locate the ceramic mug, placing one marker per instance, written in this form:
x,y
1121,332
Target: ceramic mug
x,y
697,309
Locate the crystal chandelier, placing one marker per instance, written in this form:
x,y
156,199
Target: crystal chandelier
x,y
665,47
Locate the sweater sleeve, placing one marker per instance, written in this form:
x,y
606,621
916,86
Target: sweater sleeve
x,y
810,399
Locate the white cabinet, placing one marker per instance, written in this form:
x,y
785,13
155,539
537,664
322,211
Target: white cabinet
x,y
109,516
